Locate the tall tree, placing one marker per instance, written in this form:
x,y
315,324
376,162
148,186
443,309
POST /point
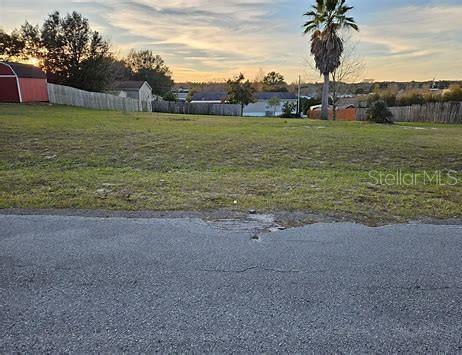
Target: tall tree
x,y
11,45
325,21
258,80
145,65
69,51
120,71
274,82
274,103
240,91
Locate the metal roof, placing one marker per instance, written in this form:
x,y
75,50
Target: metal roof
x,y
280,95
26,70
129,85
209,96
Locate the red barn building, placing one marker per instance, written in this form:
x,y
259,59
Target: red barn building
x,y
22,83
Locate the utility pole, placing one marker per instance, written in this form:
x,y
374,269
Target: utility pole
x,y
298,96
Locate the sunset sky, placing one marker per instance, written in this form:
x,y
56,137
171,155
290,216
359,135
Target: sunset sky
x,y
212,40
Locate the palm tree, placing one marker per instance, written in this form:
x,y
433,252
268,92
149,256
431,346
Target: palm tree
x,y
326,19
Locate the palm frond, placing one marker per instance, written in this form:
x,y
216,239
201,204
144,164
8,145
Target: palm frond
x,y
329,15
331,4
320,5
350,22
342,10
310,14
309,27
326,18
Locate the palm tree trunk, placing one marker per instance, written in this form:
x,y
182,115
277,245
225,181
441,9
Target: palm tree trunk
x,y
334,87
334,100
325,98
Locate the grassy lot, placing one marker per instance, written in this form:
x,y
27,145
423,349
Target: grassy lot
x,y
59,157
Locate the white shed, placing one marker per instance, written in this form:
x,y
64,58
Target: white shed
x,y
139,90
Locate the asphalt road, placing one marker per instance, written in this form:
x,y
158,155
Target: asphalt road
x,y
79,284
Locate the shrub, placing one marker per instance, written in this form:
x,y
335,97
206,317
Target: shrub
x,y
371,98
306,103
411,98
170,96
385,95
389,97
455,94
378,112
191,93
433,97
287,110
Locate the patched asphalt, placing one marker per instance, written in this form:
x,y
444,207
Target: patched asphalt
x,y
85,284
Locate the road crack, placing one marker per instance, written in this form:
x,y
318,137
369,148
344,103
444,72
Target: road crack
x,y
251,268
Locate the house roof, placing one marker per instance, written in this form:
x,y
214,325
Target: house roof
x,y
129,85
26,70
280,95
209,96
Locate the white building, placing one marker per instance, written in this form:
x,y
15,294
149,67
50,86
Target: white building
x,y
262,107
139,90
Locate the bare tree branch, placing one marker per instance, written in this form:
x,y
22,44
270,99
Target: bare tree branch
x,y
351,69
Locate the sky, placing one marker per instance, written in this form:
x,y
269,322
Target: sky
x,y
212,40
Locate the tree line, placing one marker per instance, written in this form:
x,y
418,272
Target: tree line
x,y
73,54
415,97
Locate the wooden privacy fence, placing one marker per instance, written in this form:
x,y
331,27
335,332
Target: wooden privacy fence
x,y
437,112
65,95
198,108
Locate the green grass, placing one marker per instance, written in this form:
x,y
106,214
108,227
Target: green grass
x,y
61,157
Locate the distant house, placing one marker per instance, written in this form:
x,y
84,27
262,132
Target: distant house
x,y
262,108
139,90
209,97
22,83
181,94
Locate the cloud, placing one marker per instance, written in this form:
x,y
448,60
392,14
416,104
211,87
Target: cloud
x,y
414,42
203,39
218,37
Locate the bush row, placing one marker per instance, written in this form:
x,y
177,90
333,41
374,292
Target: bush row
x,y
414,97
